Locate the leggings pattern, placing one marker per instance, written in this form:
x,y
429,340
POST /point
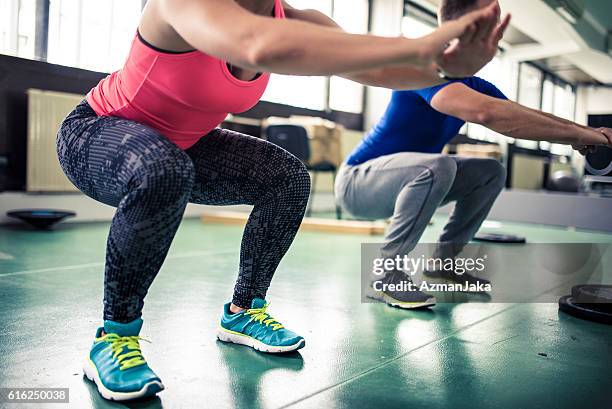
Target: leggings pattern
x,y
150,180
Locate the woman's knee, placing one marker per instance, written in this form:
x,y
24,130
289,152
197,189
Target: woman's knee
x,y
293,178
299,178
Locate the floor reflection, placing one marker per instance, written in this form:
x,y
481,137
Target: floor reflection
x,y
246,369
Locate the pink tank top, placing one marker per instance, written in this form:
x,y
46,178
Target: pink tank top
x,y
183,96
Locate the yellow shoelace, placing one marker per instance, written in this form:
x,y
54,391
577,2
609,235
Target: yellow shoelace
x,y
126,350
260,314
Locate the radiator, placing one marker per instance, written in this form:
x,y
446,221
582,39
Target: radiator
x,y
46,110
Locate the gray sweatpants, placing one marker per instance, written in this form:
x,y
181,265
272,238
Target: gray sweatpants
x,y
408,187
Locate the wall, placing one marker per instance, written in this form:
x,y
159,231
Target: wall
x,y
551,208
592,100
17,75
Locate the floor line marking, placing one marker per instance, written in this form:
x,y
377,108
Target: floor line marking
x,y
6,256
397,358
99,264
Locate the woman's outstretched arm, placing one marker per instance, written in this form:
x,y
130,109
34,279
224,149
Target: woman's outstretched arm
x,y
480,50
223,29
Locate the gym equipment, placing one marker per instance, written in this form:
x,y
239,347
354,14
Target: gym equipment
x,y
564,181
598,172
41,219
589,302
499,238
599,163
598,297
568,305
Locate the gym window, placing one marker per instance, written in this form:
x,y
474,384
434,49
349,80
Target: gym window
x,y
320,93
18,27
93,35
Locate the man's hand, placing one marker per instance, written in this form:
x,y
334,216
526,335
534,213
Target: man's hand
x,y
477,46
586,149
608,134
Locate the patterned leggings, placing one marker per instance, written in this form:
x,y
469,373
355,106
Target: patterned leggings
x,y
150,181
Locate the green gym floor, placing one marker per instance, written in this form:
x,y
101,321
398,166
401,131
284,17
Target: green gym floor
x,y
473,355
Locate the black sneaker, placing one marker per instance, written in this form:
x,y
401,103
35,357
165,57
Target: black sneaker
x,y
405,295
467,280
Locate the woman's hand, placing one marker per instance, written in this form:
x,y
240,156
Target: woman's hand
x,y
462,47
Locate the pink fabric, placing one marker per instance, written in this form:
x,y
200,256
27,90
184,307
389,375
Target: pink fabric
x,y
182,96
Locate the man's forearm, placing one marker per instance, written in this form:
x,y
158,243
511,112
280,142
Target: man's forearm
x,y
520,122
563,120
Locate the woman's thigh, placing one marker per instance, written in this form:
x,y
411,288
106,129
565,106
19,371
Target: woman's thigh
x,y
106,156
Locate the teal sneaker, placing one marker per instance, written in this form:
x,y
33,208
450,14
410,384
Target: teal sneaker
x,y
256,328
116,365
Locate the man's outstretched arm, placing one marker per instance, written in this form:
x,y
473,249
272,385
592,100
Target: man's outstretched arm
x,y
514,120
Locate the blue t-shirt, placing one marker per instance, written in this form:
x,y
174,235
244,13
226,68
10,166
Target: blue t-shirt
x,y
410,124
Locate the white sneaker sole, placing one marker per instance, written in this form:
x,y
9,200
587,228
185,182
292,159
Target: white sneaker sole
x,y
430,302
236,338
91,372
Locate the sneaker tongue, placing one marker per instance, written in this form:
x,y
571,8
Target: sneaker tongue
x,y
123,330
258,303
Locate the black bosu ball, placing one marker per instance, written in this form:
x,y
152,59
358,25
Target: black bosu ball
x,y
42,219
